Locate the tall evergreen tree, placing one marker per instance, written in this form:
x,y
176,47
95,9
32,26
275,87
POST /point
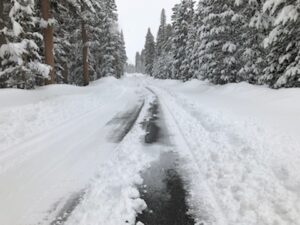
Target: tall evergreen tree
x,y
111,40
143,61
161,35
182,18
62,45
252,30
21,61
283,44
162,67
193,45
81,22
219,41
140,62
149,53
164,63
122,57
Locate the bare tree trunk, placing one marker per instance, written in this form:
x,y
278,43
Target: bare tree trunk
x,y
85,51
48,40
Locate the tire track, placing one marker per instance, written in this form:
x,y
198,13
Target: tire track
x,y
124,122
75,199
219,214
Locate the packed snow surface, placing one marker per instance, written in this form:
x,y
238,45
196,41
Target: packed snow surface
x,y
240,144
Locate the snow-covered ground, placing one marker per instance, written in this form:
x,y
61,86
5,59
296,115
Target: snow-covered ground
x,y
52,141
240,144
245,142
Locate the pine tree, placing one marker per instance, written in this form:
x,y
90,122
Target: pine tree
x,y
162,67
138,62
71,40
219,42
197,56
164,63
182,18
80,23
97,32
74,40
110,48
65,48
130,68
122,57
169,34
143,61
21,61
161,35
123,54
283,44
252,31
192,46
149,53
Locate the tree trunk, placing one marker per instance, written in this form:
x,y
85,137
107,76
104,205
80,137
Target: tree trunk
x,y
85,51
48,40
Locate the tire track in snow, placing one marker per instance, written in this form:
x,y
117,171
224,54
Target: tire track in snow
x,y
126,122
68,207
164,190
123,123
119,137
218,214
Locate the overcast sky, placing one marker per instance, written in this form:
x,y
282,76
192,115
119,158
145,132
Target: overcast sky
x,y
136,16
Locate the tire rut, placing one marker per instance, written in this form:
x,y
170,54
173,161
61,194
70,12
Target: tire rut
x,y
219,212
123,123
163,189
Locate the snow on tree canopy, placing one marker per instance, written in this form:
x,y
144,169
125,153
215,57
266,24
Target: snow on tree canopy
x,y
289,12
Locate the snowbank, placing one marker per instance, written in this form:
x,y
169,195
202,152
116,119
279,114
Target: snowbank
x,y
274,108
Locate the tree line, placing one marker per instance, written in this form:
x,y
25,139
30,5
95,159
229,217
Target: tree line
x,y
51,41
227,41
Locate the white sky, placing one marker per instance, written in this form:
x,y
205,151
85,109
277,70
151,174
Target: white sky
x,y
136,16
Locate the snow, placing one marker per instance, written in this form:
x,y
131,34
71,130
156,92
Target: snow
x,y
229,47
113,197
42,69
240,144
244,140
14,50
17,28
272,5
275,108
289,12
52,141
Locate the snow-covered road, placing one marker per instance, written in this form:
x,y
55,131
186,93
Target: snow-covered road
x,y
72,155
